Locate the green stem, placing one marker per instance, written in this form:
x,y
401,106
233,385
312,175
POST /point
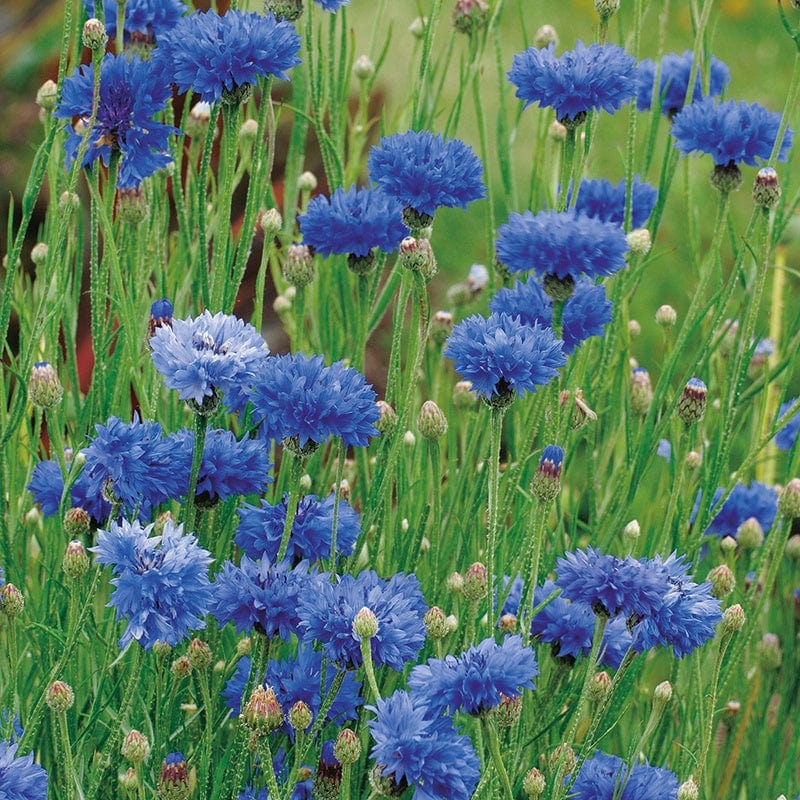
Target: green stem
x,y
267,766
567,162
495,434
490,732
206,770
190,511
369,669
66,754
296,472
535,536
337,493
435,453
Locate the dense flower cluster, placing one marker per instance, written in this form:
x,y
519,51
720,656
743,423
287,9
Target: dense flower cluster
x,y
605,201
756,500
20,777
144,19
604,777
161,582
131,96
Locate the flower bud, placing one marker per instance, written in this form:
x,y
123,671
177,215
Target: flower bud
x,y
262,714
365,624
289,10
409,440
507,712
270,222
363,68
766,188
248,131
387,417
452,623
132,206
533,784
441,326
464,399
46,95
455,583
435,623
564,756
639,242
76,562
634,328
722,580
789,500
199,654
300,716
476,583
688,790
632,531
298,265
662,694
307,181
59,697
749,535
431,422
666,316
173,780
68,202
160,316
417,255
556,131
606,8
546,482
44,387
726,178
599,687
347,748
692,403
792,549
768,652
135,747
732,619
244,647
545,36
12,603
94,35
39,253
181,667
417,27
507,623
470,15
198,121
727,544
641,392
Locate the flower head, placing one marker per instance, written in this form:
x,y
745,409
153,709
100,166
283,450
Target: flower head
x,y
729,132
218,56
328,613
757,500
424,171
20,778
418,748
603,200
131,95
564,244
208,354
604,777
299,397
144,19
787,435
598,77
673,85
477,679
161,582
261,528
501,355
353,222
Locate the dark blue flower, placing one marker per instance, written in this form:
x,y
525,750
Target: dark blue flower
x,y
664,450
787,435
674,82
299,397
262,596
477,679
424,171
562,243
261,529
332,5
501,355
20,778
47,486
729,132
757,500
586,313
214,55
131,95
610,585
420,749
161,582
526,301
605,201
604,777
209,354
353,222
144,19
598,77
327,616
134,461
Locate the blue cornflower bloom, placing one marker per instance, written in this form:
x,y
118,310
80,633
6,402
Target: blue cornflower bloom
x,y
729,132
424,171
222,56
327,616
161,582
353,222
20,778
757,500
674,82
564,244
586,313
598,77
134,462
610,585
261,595
787,435
131,95
228,468
261,528
47,486
604,777
144,19
332,5
208,355
605,201
527,301
501,355
477,679
296,397
420,749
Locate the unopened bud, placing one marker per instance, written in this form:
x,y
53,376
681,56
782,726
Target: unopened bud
x,y
387,417
792,549
789,500
244,647
726,178
641,391
546,482
409,440
768,652
693,461
135,747
441,326
44,387
727,544
606,8
599,686
363,68
46,95
198,120
298,266
639,241
68,202
545,36
435,623
347,748
634,328
508,711
199,654
508,623
464,399
39,253
12,602
562,759
281,305
692,403
557,132
455,583
632,531
733,618
470,15
431,422
666,316
750,535
76,561
662,694
94,34
262,714
722,580
452,623
766,188
365,624
307,181
417,255
181,667
59,697
173,780
248,131
290,10
270,222
417,27
300,716
533,784
688,790
475,582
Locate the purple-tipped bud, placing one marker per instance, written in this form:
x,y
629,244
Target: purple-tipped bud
x,y
546,482
507,713
692,403
641,392
733,619
199,654
470,15
160,316
431,422
476,582
722,580
347,748
59,696
766,188
44,388
12,602
76,522
262,714
94,34
300,716
181,667
599,686
562,759
417,255
441,326
135,747
298,265
435,623
173,780
789,500
132,205
533,784
387,417
76,561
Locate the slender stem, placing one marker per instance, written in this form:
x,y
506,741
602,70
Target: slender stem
x,y
535,537
200,428
567,162
206,770
267,766
296,472
369,669
337,493
435,454
66,754
495,434
490,732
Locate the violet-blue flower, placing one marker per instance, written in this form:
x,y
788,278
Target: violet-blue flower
x,y
501,355
424,171
332,5
564,244
673,84
353,222
598,77
207,355
756,500
787,435
131,95
296,397
730,132
20,777
261,528
161,582
605,777
477,679
420,749
603,200
144,19
327,616
222,56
